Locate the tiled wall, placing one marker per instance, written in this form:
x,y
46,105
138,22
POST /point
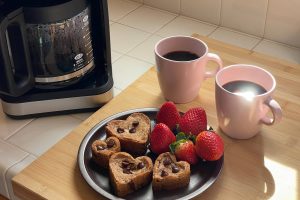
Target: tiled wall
x,y
277,20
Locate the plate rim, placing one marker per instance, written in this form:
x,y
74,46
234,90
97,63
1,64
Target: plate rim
x,y
92,131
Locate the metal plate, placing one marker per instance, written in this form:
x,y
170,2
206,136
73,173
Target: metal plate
x,y
203,175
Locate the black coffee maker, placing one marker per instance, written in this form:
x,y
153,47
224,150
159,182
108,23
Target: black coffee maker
x,y
54,56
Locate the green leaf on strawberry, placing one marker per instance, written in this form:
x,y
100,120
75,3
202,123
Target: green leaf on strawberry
x,y
184,150
174,145
192,138
181,136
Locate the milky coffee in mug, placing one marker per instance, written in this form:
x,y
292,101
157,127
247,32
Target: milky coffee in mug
x,y
181,67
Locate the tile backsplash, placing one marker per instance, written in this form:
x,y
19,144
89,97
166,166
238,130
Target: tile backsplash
x,y
283,22
271,19
244,15
205,10
169,5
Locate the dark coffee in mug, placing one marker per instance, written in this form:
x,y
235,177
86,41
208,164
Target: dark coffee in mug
x,y
244,88
181,65
181,56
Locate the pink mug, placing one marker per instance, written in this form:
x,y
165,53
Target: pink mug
x,y
243,99
180,65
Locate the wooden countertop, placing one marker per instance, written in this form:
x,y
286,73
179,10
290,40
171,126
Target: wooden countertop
x,y
265,166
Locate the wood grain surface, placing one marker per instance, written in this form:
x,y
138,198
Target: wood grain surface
x,y
263,167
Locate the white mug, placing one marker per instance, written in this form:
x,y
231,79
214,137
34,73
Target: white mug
x,y
242,112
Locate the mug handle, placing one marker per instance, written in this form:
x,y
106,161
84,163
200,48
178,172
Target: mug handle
x,y
217,59
276,111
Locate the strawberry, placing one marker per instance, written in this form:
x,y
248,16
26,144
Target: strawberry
x,y
209,145
193,121
168,114
185,150
160,138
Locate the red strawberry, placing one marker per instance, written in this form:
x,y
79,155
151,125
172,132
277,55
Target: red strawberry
x,y
185,150
209,145
168,114
160,138
193,121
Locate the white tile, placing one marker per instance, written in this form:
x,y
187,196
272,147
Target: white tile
x,y
204,10
10,126
244,15
278,50
9,155
115,56
186,26
145,51
41,134
128,69
235,38
283,22
169,5
147,19
14,170
124,38
119,8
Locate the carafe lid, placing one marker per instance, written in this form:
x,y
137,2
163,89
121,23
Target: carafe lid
x,y
43,3
51,11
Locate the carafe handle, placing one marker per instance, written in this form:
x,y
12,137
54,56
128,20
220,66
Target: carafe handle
x,y
16,77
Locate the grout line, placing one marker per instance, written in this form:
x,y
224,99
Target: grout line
x,y
140,59
198,20
180,7
155,33
175,15
137,44
20,148
221,13
252,49
116,51
160,10
239,32
119,58
213,31
133,28
125,53
19,129
129,11
264,31
283,44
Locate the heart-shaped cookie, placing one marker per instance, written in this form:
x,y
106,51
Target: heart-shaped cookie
x,y
168,174
102,150
128,174
133,132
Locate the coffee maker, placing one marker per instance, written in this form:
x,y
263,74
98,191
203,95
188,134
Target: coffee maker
x,y
54,56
